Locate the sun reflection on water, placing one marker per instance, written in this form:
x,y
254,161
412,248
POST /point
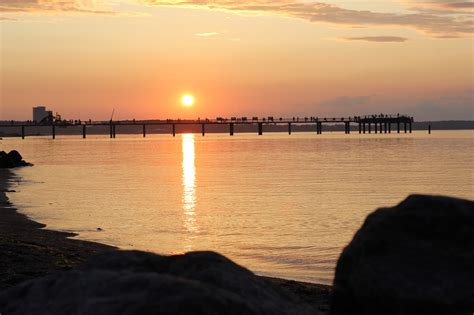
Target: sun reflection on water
x,y
189,189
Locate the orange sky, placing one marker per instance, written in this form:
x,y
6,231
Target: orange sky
x,y
282,58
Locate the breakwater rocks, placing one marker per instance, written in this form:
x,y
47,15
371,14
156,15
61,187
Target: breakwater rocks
x,y
413,259
131,282
12,159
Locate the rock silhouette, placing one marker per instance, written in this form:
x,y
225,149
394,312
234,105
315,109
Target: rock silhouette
x,y
12,159
132,282
413,259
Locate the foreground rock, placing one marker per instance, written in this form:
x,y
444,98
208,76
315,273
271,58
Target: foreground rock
x,y
415,258
143,283
12,159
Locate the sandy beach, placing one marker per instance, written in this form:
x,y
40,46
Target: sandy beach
x,y
30,251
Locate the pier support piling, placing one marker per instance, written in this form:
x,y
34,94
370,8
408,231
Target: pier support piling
x,y
368,124
320,128
429,129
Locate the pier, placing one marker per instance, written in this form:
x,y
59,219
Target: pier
x,y
364,124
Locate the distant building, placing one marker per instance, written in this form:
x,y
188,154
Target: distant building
x,y
40,113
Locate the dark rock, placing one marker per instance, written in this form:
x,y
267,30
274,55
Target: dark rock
x,y
142,283
3,159
12,159
413,259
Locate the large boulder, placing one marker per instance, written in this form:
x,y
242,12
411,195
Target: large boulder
x,y
413,259
12,159
132,282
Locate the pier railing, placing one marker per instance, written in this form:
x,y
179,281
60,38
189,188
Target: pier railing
x,y
380,123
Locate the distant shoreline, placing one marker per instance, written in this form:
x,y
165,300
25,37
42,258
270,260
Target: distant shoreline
x,y
30,251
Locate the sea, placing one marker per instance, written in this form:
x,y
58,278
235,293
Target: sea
x,y
282,206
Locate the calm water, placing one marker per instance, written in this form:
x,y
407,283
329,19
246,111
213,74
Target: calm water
x,y
281,205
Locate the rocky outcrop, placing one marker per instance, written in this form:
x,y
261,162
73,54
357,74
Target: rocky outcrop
x,y
132,282
413,259
12,159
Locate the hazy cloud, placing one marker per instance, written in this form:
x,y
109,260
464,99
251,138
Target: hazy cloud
x,y
378,39
455,105
7,19
51,6
455,4
441,6
207,34
438,18
433,24
460,5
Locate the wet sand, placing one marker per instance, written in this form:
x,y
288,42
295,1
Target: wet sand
x,y
29,251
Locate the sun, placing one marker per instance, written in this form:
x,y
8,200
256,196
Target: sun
x,y
187,100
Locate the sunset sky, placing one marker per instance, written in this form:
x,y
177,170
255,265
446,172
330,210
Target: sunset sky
x,y
84,58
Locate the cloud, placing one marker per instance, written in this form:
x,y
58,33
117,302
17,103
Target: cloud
x,y
456,4
207,34
7,19
455,105
52,6
377,39
441,6
460,5
319,12
437,18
